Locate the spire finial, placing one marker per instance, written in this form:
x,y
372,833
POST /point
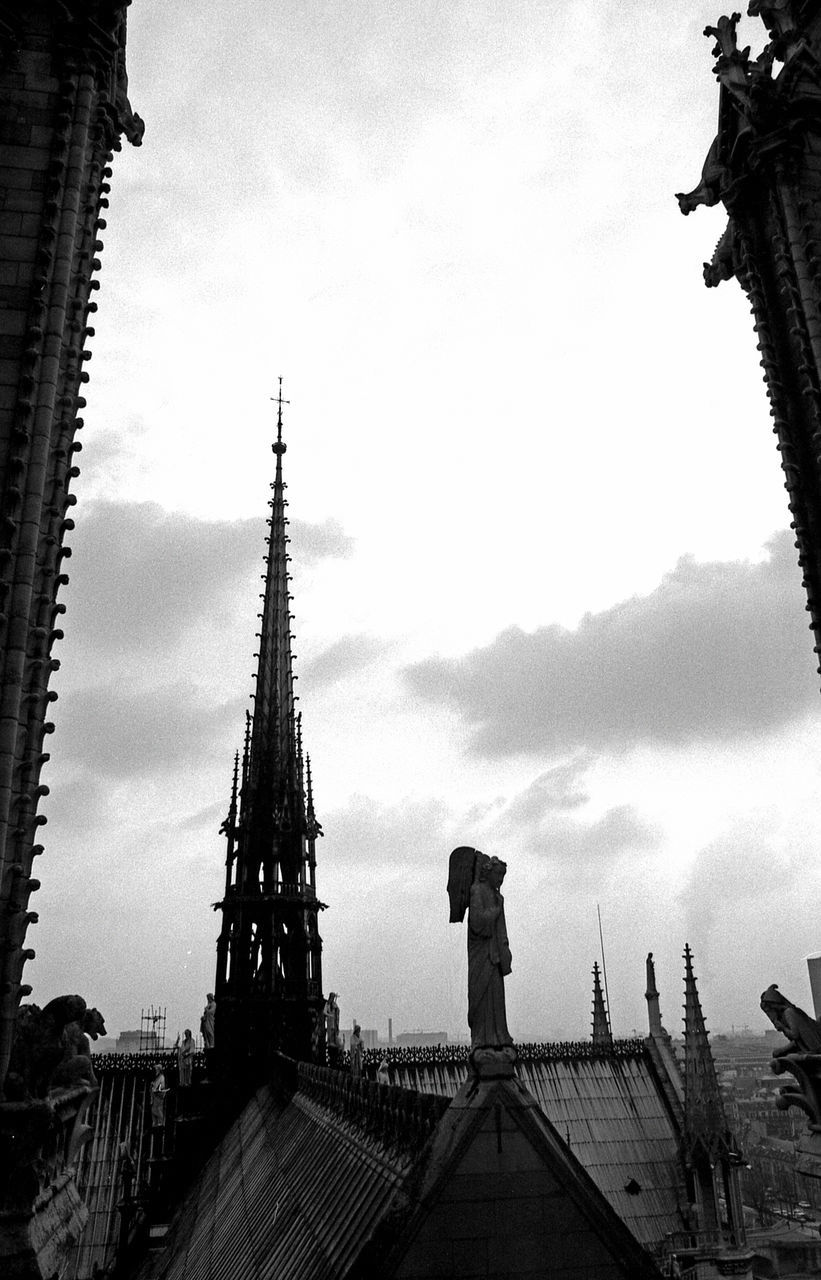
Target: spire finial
x,y
602,1035
235,785
309,798
704,1122
279,447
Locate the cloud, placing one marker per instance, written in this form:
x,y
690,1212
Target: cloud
x,y
546,823
142,575
346,656
119,732
718,651
749,906
560,788
377,834
207,818
618,831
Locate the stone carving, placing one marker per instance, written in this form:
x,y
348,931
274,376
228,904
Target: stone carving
x,y
779,19
733,63
185,1059
801,1056
76,1065
159,1091
356,1051
724,263
708,191
803,1032
750,86
132,125
474,885
207,1022
51,1048
332,1036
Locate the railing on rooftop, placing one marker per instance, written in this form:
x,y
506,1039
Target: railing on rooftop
x,y
423,1056
395,1117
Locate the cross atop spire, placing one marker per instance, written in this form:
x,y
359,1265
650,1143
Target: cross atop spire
x,y
279,447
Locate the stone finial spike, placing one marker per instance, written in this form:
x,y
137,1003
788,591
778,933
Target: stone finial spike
x,y
246,751
228,827
310,791
602,1035
235,782
705,1125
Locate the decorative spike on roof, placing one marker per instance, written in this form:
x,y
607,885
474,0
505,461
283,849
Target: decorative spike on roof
x,y
310,790
314,827
231,820
601,1021
705,1125
246,749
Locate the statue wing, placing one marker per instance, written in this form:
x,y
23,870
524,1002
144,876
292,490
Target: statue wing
x,y
460,878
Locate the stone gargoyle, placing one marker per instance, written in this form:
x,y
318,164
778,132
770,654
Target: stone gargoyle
x,y
51,1048
801,1055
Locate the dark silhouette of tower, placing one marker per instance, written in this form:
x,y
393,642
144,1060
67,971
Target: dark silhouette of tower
x,y
269,973
711,1156
765,167
63,107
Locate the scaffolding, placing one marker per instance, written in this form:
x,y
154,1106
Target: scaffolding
x,y
152,1029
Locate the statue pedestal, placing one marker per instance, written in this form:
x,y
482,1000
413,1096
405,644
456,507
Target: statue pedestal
x,y
493,1064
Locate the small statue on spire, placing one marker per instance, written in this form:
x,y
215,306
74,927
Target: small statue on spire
x,y
474,885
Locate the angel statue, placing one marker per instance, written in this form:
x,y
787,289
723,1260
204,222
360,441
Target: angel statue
x,y
474,883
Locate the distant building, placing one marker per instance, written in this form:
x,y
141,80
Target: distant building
x,y
136,1042
413,1039
104,1044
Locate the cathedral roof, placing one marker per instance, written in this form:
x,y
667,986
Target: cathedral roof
x,y
612,1109
348,1178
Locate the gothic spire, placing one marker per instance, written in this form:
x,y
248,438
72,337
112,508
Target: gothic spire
x,y
602,1034
272,758
269,976
705,1125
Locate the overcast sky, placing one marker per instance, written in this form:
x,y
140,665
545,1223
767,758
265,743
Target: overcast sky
x,y
546,599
